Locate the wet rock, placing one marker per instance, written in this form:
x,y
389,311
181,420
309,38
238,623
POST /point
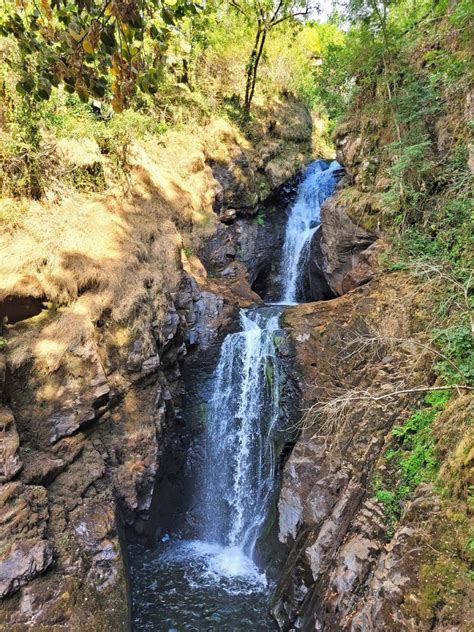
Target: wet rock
x,y
316,286
21,563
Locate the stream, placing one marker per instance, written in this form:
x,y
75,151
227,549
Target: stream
x,y
213,581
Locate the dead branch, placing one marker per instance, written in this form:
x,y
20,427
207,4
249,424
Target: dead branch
x,y
331,416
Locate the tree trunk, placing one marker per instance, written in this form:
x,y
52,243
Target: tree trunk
x,y
257,60
251,66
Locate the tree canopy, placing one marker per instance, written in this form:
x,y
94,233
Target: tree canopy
x,y
93,45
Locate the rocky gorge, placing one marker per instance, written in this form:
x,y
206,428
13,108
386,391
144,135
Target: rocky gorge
x,y
95,438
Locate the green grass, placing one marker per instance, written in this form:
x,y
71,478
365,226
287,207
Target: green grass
x,y
260,219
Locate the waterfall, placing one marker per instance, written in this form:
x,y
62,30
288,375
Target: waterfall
x,y
319,182
212,582
239,469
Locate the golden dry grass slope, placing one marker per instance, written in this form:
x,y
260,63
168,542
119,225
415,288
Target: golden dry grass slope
x,y
86,254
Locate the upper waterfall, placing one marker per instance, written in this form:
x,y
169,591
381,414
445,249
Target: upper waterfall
x,y
319,182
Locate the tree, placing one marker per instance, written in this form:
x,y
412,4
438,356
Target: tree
x,y
265,14
92,46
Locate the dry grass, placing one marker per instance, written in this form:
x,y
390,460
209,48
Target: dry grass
x,y
91,254
115,253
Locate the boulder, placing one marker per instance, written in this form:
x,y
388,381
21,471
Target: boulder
x,y
21,562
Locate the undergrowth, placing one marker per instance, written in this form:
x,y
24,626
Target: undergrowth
x,y
411,457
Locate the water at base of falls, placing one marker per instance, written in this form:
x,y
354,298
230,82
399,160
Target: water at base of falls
x,y
213,583
195,585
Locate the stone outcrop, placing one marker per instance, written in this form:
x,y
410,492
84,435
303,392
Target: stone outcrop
x,y
10,461
250,247
348,258
92,438
344,571
91,401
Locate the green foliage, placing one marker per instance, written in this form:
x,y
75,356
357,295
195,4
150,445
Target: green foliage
x,y
392,503
22,154
315,64
456,342
265,16
412,457
93,47
269,372
260,218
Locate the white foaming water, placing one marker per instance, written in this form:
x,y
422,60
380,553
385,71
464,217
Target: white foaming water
x,y
318,183
240,463
211,564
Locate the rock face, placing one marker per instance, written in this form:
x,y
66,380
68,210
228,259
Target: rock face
x,y
344,571
11,463
91,402
347,259
92,438
252,246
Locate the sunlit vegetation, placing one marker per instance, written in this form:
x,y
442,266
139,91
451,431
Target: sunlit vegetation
x,y
111,70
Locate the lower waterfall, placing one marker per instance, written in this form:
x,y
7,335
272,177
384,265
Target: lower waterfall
x,y
239,470
212,582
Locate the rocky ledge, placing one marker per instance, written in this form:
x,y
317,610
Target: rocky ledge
x,y
346,568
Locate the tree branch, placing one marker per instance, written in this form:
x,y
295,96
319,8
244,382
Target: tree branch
x,y
238,8
289,16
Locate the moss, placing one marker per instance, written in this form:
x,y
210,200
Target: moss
x,y
444,585
441,592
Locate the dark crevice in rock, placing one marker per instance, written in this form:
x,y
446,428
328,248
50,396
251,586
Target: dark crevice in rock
x,y
14,309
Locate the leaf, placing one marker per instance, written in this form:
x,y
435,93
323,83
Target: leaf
x,y
117,105
76,35
44,89
108,39
167,16
98,87
26,85
87,46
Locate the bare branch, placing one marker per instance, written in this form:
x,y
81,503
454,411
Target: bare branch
x,y
329,418
238,8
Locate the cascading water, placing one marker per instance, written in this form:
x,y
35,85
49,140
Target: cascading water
x,y
212,582
319,182
238,478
